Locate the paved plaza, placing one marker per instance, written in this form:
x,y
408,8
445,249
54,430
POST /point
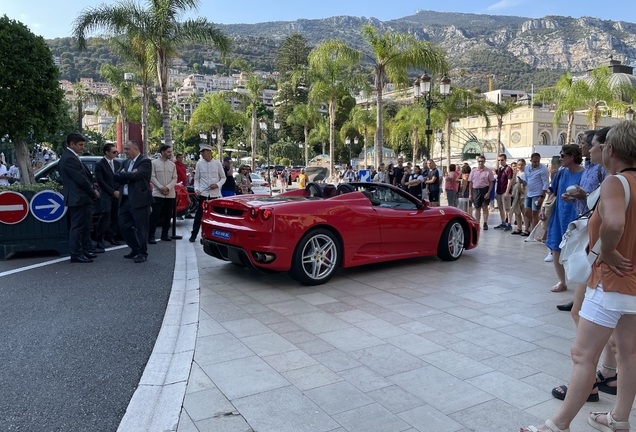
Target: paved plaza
x,y
417,345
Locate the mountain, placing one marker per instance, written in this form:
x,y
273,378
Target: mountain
x,y
517,52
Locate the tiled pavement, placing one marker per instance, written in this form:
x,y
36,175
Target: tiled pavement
x,y
418,345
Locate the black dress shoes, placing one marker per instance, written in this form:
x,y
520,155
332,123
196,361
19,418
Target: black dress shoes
x,y
565,307
152,240
112,241
81,259
165,238
193,238
141,258
131,255
99,249
90,255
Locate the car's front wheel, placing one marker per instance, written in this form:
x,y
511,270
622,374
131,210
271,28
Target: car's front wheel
x,y
451,243
316,258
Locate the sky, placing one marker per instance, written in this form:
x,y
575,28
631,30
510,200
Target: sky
x,y
51,19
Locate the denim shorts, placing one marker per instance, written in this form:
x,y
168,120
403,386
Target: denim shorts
x,y
531,202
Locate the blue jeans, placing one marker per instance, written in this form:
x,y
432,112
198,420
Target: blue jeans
x,y
227,193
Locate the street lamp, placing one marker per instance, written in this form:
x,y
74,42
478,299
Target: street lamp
x,y
629,115
262,123
348,142
422,89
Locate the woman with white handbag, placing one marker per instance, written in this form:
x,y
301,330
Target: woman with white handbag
x,y
610,299
590,187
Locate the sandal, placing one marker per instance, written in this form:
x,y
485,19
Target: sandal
x,y
593,397
559,287
525,233
602,383
551,427
612,424
516,232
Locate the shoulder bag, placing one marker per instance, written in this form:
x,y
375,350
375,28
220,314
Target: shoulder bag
x,y
548,205
575,258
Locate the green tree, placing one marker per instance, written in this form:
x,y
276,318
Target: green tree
x,y
568,97
31,101
292,55
320,134
410,120
161,30
307,116
141,59
331,68
460,103
499,110
213,113
598,93
124,96
392,55
364,122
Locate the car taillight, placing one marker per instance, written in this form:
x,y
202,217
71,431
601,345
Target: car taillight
x,y
266,214
265,184
253,213
204,204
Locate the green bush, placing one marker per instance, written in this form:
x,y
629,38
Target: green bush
x,y
35,188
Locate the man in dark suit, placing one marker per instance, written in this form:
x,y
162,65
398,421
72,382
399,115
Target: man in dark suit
x,y
79,194
105,171
135,200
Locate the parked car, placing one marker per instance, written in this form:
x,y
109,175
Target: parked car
x,y
49,172
312,232
259,186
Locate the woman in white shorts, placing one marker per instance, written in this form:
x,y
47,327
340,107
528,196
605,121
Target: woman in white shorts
x,y
610,300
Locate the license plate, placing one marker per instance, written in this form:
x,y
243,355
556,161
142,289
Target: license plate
x,y
221,234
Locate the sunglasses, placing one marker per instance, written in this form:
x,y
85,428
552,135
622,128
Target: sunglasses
x,y
562,155
481,161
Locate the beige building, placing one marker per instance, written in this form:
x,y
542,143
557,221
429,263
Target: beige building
x,y
526,130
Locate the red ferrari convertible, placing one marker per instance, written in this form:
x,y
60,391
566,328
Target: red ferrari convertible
x,y
312,232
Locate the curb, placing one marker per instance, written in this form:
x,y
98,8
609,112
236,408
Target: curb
x,y
156,404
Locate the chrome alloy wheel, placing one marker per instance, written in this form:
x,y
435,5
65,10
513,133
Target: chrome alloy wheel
x,y
456,240
319,256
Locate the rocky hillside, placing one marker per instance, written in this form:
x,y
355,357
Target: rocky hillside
x,y
519,52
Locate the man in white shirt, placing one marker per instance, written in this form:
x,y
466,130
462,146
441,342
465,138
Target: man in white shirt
x,y
209,176
164,177
14,171
4,175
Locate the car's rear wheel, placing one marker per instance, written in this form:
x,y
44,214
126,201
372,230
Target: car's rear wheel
x,y
316,258
451,244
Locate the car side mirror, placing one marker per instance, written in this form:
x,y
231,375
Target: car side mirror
x,y
43,180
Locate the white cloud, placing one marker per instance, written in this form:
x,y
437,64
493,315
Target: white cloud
x,y
503,4
36,25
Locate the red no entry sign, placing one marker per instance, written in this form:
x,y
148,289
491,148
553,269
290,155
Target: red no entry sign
x,y
13,207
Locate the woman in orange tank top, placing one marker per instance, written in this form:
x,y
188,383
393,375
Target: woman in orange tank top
x,y
610,301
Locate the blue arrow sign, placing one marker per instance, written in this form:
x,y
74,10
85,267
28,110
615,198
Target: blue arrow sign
x,y
364,175
48,206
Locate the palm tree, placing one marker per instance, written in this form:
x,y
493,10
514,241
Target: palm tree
x,y
320,134
459,103
141,59
409,120
500,110
159,28
123,96
82,95
392,55
331,66
307,116
255,87
597,92
364,121
567,96
213,113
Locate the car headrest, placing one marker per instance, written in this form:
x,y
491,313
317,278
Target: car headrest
x,y
329,191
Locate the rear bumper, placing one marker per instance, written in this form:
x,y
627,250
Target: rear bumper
x,y
226,252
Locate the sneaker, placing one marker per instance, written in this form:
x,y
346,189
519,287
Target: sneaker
x,y
501,226
508,227
548,258
485,226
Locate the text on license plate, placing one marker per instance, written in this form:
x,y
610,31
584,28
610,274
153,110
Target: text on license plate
x,y
221,234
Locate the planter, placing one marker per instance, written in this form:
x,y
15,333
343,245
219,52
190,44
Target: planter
x,y
31,234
